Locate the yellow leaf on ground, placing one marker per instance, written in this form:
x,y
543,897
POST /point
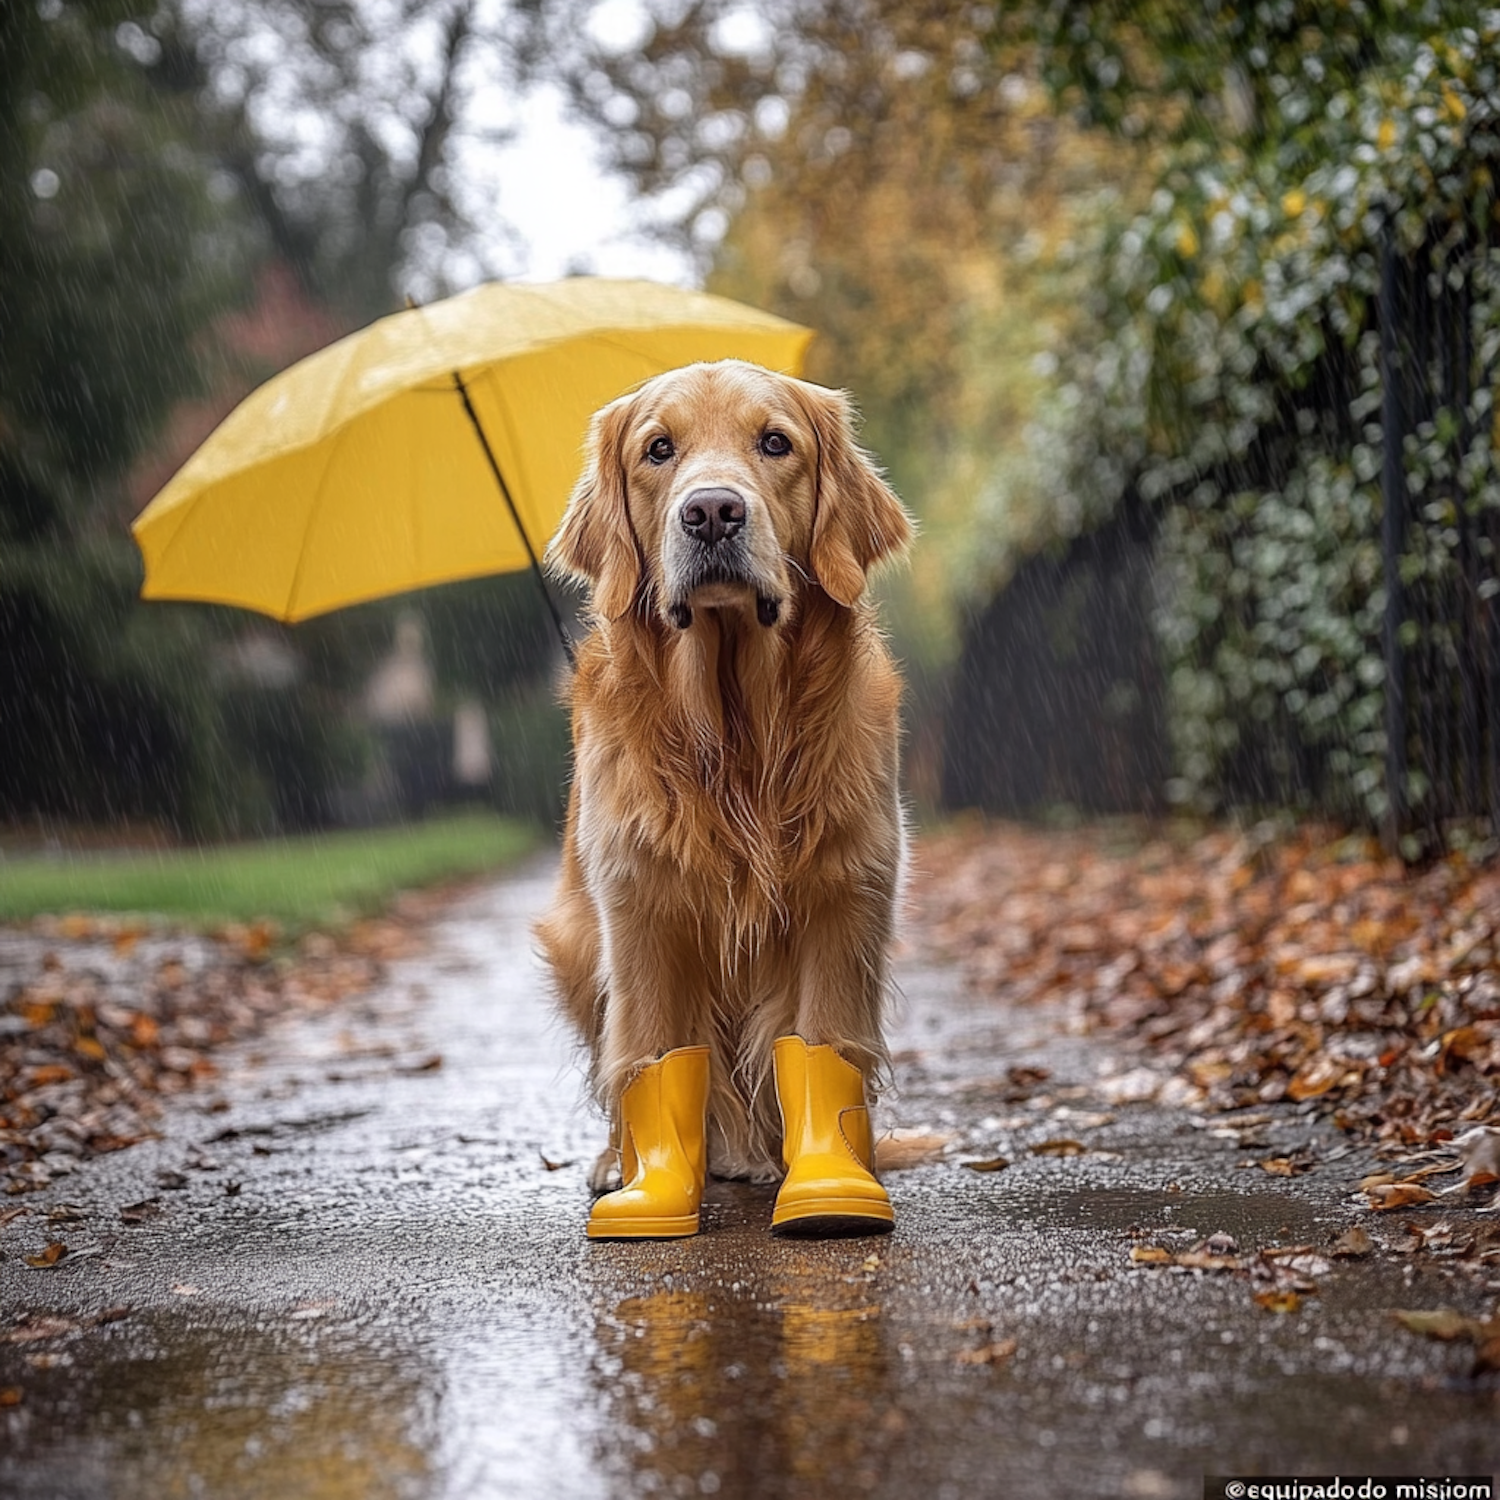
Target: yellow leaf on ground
x,y
1150,1255
1278,1301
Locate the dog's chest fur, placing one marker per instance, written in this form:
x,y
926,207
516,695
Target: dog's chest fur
x,y
711,758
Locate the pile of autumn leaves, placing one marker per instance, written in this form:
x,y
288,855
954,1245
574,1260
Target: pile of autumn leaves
x,y
102,1018
1254,968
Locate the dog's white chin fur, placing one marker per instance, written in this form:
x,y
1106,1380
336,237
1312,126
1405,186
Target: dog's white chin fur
x,y
723,596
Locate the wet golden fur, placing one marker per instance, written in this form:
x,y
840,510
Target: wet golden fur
x,y
734,838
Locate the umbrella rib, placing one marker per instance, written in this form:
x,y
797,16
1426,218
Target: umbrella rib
x,y
312,517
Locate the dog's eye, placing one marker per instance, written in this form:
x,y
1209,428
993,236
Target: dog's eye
x,y
775,445
660,450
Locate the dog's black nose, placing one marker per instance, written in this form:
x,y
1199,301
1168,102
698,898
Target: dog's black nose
x,y
713,515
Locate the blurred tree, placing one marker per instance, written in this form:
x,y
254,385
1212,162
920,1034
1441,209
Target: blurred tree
x,y
152,161
879,170
113,252
356,133
339,120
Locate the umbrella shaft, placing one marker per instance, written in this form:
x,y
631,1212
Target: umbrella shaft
x,y
515,515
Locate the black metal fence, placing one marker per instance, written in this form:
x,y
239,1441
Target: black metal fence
x,y
1059,700
1060,695
1441,540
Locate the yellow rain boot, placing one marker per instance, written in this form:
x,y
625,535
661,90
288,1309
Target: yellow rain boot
x,y
830,1186
662,1153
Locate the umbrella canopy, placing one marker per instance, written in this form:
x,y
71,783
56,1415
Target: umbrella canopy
x,y
358,473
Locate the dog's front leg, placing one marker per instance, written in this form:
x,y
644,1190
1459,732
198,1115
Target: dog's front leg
x,y
824,1071
841,972
656,994
653,1071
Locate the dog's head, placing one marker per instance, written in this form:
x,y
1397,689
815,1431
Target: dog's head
x,y
711,486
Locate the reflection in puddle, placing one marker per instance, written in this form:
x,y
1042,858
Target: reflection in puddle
x,y
690,1409
168,1410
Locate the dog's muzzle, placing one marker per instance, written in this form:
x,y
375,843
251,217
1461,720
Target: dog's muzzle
x,y
714,549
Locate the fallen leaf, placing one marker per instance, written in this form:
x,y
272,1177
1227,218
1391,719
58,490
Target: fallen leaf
x,y
1059,1148
1284,1166
139,1213
49,1073
48,1257
11,1395
988,1354
1281,1300
553,1166
1399,1195
1463,1043
1307,1265
990,1164
1150,1255
1316,1078
899,1150
1375,1180
871,1263
1479,1155
1202,1260
1353,1241
40,1326
1441,1323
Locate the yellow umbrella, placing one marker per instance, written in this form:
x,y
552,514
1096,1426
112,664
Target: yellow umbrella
x,y
356,473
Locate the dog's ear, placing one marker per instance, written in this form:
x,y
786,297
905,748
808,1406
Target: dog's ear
x,y
595,544
858,519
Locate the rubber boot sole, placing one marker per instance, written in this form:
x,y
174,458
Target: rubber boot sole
x,y
644,1229
831,1218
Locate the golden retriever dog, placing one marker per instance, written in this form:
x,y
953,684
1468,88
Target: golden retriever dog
x,y
734,840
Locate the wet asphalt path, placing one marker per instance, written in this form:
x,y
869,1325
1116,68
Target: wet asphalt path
x,y
372,1283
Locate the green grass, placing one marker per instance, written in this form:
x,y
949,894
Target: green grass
x,y
297,882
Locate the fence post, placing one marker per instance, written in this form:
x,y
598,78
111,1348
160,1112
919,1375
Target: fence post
x,y
1392,536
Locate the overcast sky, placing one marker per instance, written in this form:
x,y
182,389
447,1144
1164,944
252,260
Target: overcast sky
x,y
571,216
561,213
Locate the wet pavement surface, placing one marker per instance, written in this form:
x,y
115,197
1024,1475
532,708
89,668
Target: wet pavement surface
x,y
368,1276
